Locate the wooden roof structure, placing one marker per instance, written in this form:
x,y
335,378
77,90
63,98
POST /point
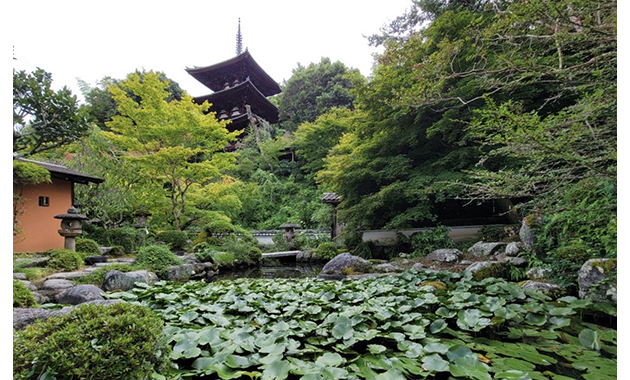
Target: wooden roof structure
x,y
64,173
240,90
229,103
223,74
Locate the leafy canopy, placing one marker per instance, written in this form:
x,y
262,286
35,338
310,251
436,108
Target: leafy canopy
x,y
176,146
44,119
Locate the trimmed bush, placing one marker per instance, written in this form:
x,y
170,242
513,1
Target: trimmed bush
x,y
156,257
22,296
120,341
177,240
117,250
326,251
127,237
88,246
64,259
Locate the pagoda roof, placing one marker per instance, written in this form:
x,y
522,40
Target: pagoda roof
x,y
243,63
242,92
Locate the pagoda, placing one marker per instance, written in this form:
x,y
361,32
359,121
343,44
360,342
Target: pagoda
x,y
240,89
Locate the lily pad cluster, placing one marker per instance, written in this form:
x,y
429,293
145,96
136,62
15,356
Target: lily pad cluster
x,y
417,325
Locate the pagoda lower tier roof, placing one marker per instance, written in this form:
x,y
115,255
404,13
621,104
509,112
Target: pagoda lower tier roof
x,y
243,93
238,68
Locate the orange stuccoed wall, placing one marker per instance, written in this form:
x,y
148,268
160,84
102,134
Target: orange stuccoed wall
x,y
39,227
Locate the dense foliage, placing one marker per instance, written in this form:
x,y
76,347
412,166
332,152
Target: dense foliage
x,y
120,341
22,296
44,119
314,89
415,325
64,260
176,240
156,258
87,246
25,173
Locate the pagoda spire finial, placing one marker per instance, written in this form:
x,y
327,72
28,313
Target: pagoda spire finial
x,y
239,39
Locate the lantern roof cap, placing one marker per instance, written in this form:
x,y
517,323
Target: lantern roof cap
x,y
72,214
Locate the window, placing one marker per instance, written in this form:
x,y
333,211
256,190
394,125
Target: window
x,y
43,201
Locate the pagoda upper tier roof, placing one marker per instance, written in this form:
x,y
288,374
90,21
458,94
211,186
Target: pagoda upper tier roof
x,y
238,68
244,92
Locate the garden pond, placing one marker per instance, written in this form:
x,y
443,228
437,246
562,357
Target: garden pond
x,y
416,325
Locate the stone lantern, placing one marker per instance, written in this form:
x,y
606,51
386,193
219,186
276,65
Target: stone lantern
x,y
289,232
334,200
141,222
71,224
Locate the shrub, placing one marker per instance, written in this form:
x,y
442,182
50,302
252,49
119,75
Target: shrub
x,y
22,296
205,255
88,246
126,237
156,257
177,240
64,259
326,251
120,341
96,233
244,252
116,250
426,242
280,242
223,259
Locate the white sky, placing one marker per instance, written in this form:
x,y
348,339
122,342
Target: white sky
x,y
78,39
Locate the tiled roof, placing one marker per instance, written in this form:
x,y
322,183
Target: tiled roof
x,y
64,172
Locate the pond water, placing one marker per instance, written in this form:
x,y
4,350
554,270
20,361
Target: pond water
x,y
283,270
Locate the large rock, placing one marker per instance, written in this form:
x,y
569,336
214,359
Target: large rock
x,y
33,262
539,273
446,255
544,287
482,249
476,267
386,268
117,280
516,261
514,248
486,269
179,272
52,287
23,317
417,267
345,261
80,294
597,280
19,276
527,233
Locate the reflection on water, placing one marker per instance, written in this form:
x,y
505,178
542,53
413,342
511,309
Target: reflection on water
x,y
285,270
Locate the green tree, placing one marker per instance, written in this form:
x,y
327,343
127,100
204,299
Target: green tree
x,y
44,119
101,105
177,145
314,89
313,140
